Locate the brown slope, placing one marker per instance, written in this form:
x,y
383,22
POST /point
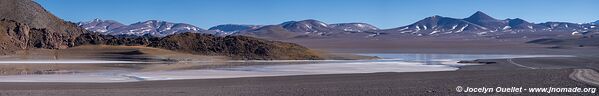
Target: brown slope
x,y
45,29
271,32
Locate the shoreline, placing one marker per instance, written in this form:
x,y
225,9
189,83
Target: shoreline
x,y
184,69
553,72
386,83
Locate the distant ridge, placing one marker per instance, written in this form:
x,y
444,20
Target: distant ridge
x,y
478,24
481,24
233,28
151,27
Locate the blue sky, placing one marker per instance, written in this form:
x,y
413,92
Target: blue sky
x,y
381,13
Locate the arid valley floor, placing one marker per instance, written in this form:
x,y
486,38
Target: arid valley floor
x,y
519,72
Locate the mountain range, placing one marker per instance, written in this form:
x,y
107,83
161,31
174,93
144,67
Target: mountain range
x,y
483,24
151,27
478,24
163,28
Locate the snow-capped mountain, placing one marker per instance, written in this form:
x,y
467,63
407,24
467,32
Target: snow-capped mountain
x,y
101,26
151,27
353,27
565,26
596,22
481,23
307,29
233,28
311,26
478,24
439,25
307,26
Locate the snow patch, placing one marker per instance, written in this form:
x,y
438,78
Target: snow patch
x,y
506,27
464,27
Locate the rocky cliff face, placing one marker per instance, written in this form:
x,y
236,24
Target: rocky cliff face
x,y
34,26
13,36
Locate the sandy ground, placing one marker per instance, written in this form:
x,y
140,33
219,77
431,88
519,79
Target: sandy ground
x,y
16,69
374,84
539,72
147,59
548,72
431,45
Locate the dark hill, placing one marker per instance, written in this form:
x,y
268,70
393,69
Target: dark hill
x,y
237,47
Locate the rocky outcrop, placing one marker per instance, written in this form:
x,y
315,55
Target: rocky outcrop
x,y
34,26
13,36
99,39
236,47
19,36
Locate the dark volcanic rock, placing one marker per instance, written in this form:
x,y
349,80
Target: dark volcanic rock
x,y
99,39
237,47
